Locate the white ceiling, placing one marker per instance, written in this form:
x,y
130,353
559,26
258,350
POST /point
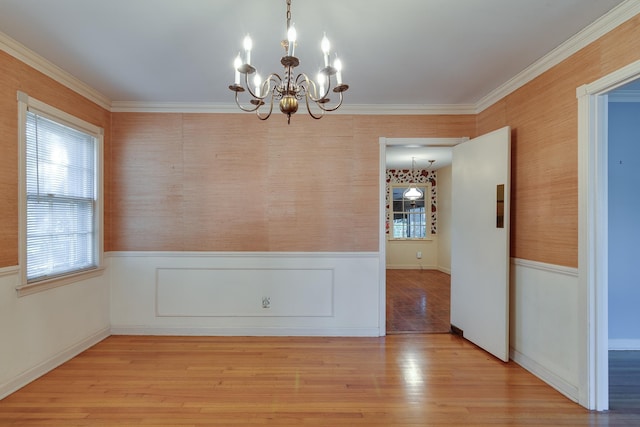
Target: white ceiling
x,y
400,52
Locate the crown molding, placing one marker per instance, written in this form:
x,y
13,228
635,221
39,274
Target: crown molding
x,y
171,107
606,23
354,109
47,68
617,16
407,109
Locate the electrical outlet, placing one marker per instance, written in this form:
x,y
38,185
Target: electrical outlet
x,y
266,302
419,254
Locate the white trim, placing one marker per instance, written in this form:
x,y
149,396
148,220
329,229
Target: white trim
x,y
47,68
58,115
412,267
617,16
614,18
202,254
624,344
551,268
67,279
48,365
255,331
354,109
592,234
555,381
382,235
8,271
27,103
424,142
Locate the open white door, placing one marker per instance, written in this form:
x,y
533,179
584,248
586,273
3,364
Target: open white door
x,y
481,175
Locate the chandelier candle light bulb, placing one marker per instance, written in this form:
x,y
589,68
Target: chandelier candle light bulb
x,y
337,64
321,79
288,89
257,82
236,65
248,45
326,47
291,37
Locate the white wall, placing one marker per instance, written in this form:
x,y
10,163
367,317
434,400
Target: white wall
x,y
624,225
40,331
444,219
544,326
211,293
402,254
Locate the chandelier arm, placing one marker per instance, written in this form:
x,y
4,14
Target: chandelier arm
x,y
334,108
303,78
269,113
243,108
317,117
266,86
248,86
311,83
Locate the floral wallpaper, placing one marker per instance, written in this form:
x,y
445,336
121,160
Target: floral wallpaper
x,y
421,176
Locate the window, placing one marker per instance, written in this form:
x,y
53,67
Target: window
x,y
410,219
61,201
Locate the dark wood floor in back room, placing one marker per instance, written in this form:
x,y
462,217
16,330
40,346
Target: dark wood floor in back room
x,y
624,381
418,301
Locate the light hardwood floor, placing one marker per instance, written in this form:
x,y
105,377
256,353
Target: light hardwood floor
x,y
418,301
398,380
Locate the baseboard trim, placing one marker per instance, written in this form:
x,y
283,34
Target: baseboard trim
x,y
564,387
624,344
411,267
444,270
48,365
247,332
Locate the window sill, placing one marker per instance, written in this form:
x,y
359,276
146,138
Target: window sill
x,y
425,239
43,285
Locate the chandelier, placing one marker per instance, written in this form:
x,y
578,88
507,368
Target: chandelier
x,y
413,193
289,88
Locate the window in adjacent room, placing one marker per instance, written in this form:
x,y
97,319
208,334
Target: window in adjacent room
x,y
61,186
410,218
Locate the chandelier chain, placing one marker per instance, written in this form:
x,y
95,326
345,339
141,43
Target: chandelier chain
x,y
288,14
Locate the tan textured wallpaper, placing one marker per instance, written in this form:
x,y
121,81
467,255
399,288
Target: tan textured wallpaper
x,y
214,182
543,116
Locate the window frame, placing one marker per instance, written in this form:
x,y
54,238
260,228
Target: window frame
x,y
426,188
25,104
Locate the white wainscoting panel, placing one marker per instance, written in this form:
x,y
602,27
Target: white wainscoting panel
x,y
40,331
221,293
200,292
544,323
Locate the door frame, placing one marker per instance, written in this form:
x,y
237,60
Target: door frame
x,y
593,234
382,205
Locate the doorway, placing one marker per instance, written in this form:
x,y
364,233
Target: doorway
x,y
416,272
623,177
593,232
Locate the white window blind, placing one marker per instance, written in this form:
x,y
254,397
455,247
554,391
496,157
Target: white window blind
x,y
61,199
